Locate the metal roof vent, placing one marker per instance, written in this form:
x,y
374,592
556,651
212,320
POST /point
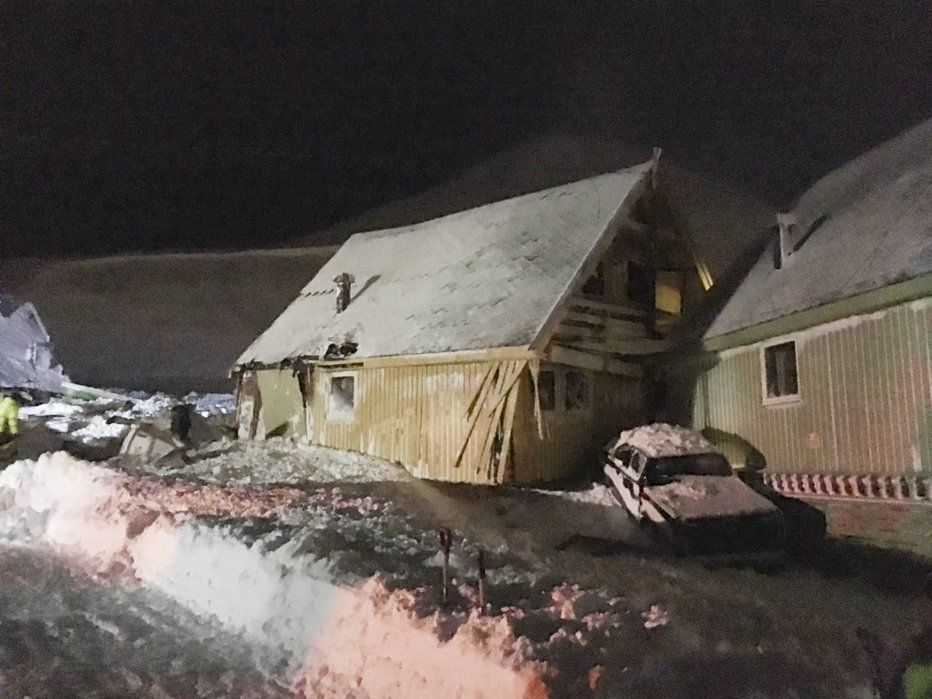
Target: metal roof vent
x,y
785,224
344,282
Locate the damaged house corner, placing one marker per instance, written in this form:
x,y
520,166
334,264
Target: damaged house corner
x,y
27,358
501,344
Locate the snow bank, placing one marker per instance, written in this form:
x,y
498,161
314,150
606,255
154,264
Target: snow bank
x,y
336,636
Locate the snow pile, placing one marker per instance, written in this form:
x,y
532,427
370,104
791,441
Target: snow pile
x,y
273,580
278,460
659,440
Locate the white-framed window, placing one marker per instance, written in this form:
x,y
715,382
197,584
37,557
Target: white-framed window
x,y
341,403
779,373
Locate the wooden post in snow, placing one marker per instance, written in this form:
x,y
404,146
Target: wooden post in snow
x,y
481,581
446,540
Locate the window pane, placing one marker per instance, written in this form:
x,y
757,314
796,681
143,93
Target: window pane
x,y
577,390
546,384
342,396
780,370
641,281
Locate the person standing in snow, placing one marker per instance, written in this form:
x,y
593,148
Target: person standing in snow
x,y
9,417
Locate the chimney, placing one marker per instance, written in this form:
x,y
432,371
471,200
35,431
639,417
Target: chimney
x,y
785,224
343,281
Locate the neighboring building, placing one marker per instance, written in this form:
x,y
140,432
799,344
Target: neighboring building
x,y
821,360
505,343
26,359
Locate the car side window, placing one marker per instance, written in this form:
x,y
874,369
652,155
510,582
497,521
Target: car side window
x,y
637,462
623,454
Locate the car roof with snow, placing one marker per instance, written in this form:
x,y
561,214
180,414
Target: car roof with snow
x,y
660,440
482,278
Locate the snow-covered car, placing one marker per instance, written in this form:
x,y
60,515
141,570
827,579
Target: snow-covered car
x,y
674,477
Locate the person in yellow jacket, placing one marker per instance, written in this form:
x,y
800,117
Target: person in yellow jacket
x,y
9,417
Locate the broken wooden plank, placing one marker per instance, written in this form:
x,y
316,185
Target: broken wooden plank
x,y
559,354
596,307
644,345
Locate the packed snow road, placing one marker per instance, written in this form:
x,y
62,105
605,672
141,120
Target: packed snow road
x,y
65,635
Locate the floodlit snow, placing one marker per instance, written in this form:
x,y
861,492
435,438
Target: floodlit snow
x,y
315,573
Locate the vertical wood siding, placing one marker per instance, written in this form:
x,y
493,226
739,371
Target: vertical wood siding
x,y
419,416
572,441
866,398
415,415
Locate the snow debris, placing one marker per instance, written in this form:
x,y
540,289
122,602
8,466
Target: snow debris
x,y
592,494
660,439
54,408
655,616
278,460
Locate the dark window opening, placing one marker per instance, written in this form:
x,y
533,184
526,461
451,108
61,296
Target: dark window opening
x,y
780,370
595,285
547,390
577,390
641,284
342,396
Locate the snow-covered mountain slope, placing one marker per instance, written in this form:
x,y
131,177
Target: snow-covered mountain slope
x,y
174,321
177,322
724,220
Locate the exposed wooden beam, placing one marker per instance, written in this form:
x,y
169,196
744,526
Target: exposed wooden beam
x,y
629,223
606,307
612,326
612,346
585,360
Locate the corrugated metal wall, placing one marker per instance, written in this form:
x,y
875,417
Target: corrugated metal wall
x,y
419,416
416,415
572,440
866,397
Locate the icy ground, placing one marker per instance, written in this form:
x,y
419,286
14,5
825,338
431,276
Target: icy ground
x,y
316,571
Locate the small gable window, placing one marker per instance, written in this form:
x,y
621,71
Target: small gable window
x,y
641,284
781,379
547,390
595,285
342,403
577,390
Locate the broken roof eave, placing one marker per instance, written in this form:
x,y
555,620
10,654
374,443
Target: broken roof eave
x,y
867,302
458,357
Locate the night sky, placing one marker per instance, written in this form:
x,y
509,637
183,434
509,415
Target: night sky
x,y
127,126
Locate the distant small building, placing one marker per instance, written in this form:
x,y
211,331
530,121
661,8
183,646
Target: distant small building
x,y
26,359
820,363
503,344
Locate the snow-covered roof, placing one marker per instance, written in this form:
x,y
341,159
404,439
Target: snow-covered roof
x,y
25,349
862,227
660,440
481,278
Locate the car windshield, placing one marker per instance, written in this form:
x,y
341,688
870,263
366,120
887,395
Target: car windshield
x,y
663,470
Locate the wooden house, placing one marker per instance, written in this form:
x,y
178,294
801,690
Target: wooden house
x,y
820,363
502,344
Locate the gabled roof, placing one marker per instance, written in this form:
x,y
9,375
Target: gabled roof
x,y
862,227
483,278
8,304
